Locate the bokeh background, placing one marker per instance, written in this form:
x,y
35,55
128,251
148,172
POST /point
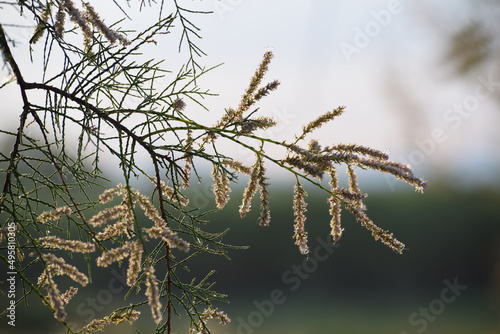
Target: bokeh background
x,y
420,79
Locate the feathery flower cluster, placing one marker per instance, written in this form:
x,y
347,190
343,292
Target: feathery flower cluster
x,y
49,271
308,168
250,125
118,228
264,91
70,293
318,122
169,236
60,18
71,245
178,104
249,98
335,208
208,314
237,166
115,254
257,180
265,212
299,209
134,265
314,146
124,212
399,170
220,187
355,148
111,35
160,229
111,213
55,299
357,199
41,26
315,162
377,232
109,194
250,190
59,265
54,214
188,160
80,18
134,250
310,161
229,117
150,210
170,193
153,293
115,318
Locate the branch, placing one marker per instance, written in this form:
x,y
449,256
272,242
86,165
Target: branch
x,y
167,247
101,114
27,110
9,59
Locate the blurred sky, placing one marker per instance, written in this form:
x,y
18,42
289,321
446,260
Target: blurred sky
x,y
384,60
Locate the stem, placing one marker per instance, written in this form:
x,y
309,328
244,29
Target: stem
x,y
4,46
167,247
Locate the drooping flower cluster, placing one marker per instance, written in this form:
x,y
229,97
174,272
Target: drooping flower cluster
x,y
115,254
315,162
56,266
55,300
208,314
335,207
54,214
124,211
70,245
250,125
221,187
97,325
70,293
82,18
237,166
130,249
299,210
188,161
153,293
59,266
312,162
257,181
117,220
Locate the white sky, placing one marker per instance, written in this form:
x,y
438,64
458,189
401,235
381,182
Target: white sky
x,y
397,89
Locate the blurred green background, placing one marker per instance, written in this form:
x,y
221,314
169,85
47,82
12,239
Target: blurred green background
x,y
360,286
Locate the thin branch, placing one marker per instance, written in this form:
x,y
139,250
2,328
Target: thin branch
x,y
26,110
167,247
101,114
